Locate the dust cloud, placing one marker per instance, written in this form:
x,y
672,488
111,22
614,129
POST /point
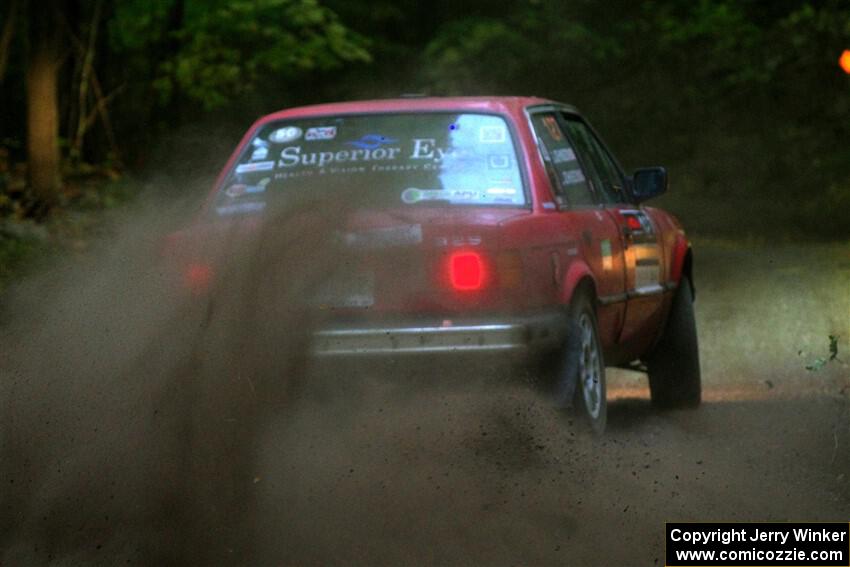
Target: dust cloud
x,y
147,419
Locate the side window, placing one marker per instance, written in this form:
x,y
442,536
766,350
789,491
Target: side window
x,y
607,178
565,173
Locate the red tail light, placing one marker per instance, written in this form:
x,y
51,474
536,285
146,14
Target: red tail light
x,y
466,271
633,223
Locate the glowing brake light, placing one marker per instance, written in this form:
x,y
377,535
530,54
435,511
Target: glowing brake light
x,y
633,223
466,271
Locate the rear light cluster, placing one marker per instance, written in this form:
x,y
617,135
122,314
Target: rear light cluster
x,y
470,270
466,271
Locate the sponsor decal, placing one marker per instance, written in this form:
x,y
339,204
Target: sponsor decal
x,y
261,152
239,189
423,149
647,272
572,177
385,237
237,208
236,190
413,195
607,257
371,141
562,155
285,134
552,127
499,161
491,134
292,156
320,133
426,148
500,181
501,191
549,205
258,166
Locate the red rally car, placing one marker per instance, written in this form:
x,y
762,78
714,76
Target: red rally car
x,y
498,224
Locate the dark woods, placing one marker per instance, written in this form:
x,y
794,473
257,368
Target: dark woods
x,y
744,101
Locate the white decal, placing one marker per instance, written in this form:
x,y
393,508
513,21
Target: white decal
x,y
260,153
285,134
499,161
562,155
320,133
258,166
491,134
292,156
572,177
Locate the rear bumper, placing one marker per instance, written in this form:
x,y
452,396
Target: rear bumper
x,y
499,334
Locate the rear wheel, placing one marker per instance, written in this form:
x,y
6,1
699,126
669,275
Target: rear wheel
x,y
673,366
577,370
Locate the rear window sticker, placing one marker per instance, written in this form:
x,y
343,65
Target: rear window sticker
x,y
543,151
371,141
501,181
491,134
261,152
236,190
239,189
501,191
572,177
257,166
552,127
320,133
413,195
499,161
562,155
285,134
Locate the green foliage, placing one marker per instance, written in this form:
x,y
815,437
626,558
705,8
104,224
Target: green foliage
x,y
219,50
461,59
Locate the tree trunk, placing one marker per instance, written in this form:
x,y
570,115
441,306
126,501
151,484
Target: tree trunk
x,y
7,35
43,107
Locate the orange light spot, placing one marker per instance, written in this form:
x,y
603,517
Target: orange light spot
x,y
844,61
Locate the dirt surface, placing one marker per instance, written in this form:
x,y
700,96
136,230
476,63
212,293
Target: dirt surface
x,y
119,447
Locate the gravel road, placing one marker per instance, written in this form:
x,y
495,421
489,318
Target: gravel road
x,y
388,467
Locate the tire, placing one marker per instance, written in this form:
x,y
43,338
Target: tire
x,y
673,366
577,371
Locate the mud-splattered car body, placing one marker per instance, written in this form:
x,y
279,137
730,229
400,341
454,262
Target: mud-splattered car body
x,y
499,213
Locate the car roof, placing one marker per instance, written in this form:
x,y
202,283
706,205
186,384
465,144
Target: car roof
x,y
494,104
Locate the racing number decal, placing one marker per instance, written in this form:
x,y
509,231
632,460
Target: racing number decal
x,y
643,245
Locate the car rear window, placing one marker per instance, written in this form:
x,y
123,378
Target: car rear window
x,y
403,159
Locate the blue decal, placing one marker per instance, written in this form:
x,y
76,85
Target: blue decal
x,y
371,141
